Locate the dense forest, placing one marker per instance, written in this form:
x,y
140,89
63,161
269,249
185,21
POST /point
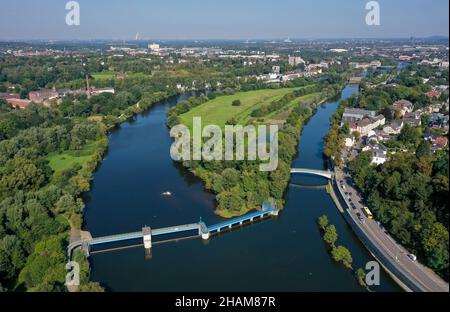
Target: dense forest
x,y
38,205
409,195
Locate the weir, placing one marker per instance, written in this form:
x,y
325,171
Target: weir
x,y
147,233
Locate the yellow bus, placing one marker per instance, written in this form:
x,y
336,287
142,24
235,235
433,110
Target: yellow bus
x,y
368,213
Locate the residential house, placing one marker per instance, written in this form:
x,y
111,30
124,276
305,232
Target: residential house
x,y
372,137
375,64
6,96
366,125
379,155
296,60
438,142
403,107
43,96
18,103
350,141
394,128
413,119
355,114
434,94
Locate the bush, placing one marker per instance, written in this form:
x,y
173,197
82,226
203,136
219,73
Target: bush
x,y
237,103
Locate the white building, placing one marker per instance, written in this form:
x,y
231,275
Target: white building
x,y
276,70
375,64
296,60
154,47
350,141
379,156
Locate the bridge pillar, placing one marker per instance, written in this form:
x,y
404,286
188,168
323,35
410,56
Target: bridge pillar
x,y
275,212
148,254
147,235
86,248
205,236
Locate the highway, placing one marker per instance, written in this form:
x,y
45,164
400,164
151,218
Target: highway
x,y
396,258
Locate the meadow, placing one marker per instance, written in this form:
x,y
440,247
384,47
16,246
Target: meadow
x,y
221,109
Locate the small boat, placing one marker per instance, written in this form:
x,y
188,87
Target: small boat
x,y
166,194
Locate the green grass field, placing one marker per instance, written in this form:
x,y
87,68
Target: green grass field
x,y
104,75
285,111
65,160
220,110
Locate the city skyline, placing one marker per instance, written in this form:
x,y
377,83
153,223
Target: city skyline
x,y
203,20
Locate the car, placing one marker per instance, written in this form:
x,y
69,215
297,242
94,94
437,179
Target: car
x,y
361,219
412,257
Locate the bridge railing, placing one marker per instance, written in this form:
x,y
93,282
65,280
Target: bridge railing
x,y
235,221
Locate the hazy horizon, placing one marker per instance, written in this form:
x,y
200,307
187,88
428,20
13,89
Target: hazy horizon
x,y
175,20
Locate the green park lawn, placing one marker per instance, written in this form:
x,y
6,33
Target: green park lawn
x,y
220,110
103,75
61,161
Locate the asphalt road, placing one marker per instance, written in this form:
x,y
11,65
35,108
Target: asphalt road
x,y
423,278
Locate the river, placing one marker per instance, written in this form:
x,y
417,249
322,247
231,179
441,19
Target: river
x,y
281,254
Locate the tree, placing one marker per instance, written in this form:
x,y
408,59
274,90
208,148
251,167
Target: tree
x,y
91,287
45,266
345,130
230,178
68,204
436,247
330,236
8,128
21,174
409,135
360,275
424,149
342,254
12,256
230,201
237,103
323,222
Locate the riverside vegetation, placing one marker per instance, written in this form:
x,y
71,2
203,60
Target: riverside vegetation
x,y
239,185
339,253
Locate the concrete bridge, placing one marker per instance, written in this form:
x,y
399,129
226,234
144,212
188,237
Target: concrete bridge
x,y
147,233
322,173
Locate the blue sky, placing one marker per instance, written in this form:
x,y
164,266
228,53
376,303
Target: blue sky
x,y
221,19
